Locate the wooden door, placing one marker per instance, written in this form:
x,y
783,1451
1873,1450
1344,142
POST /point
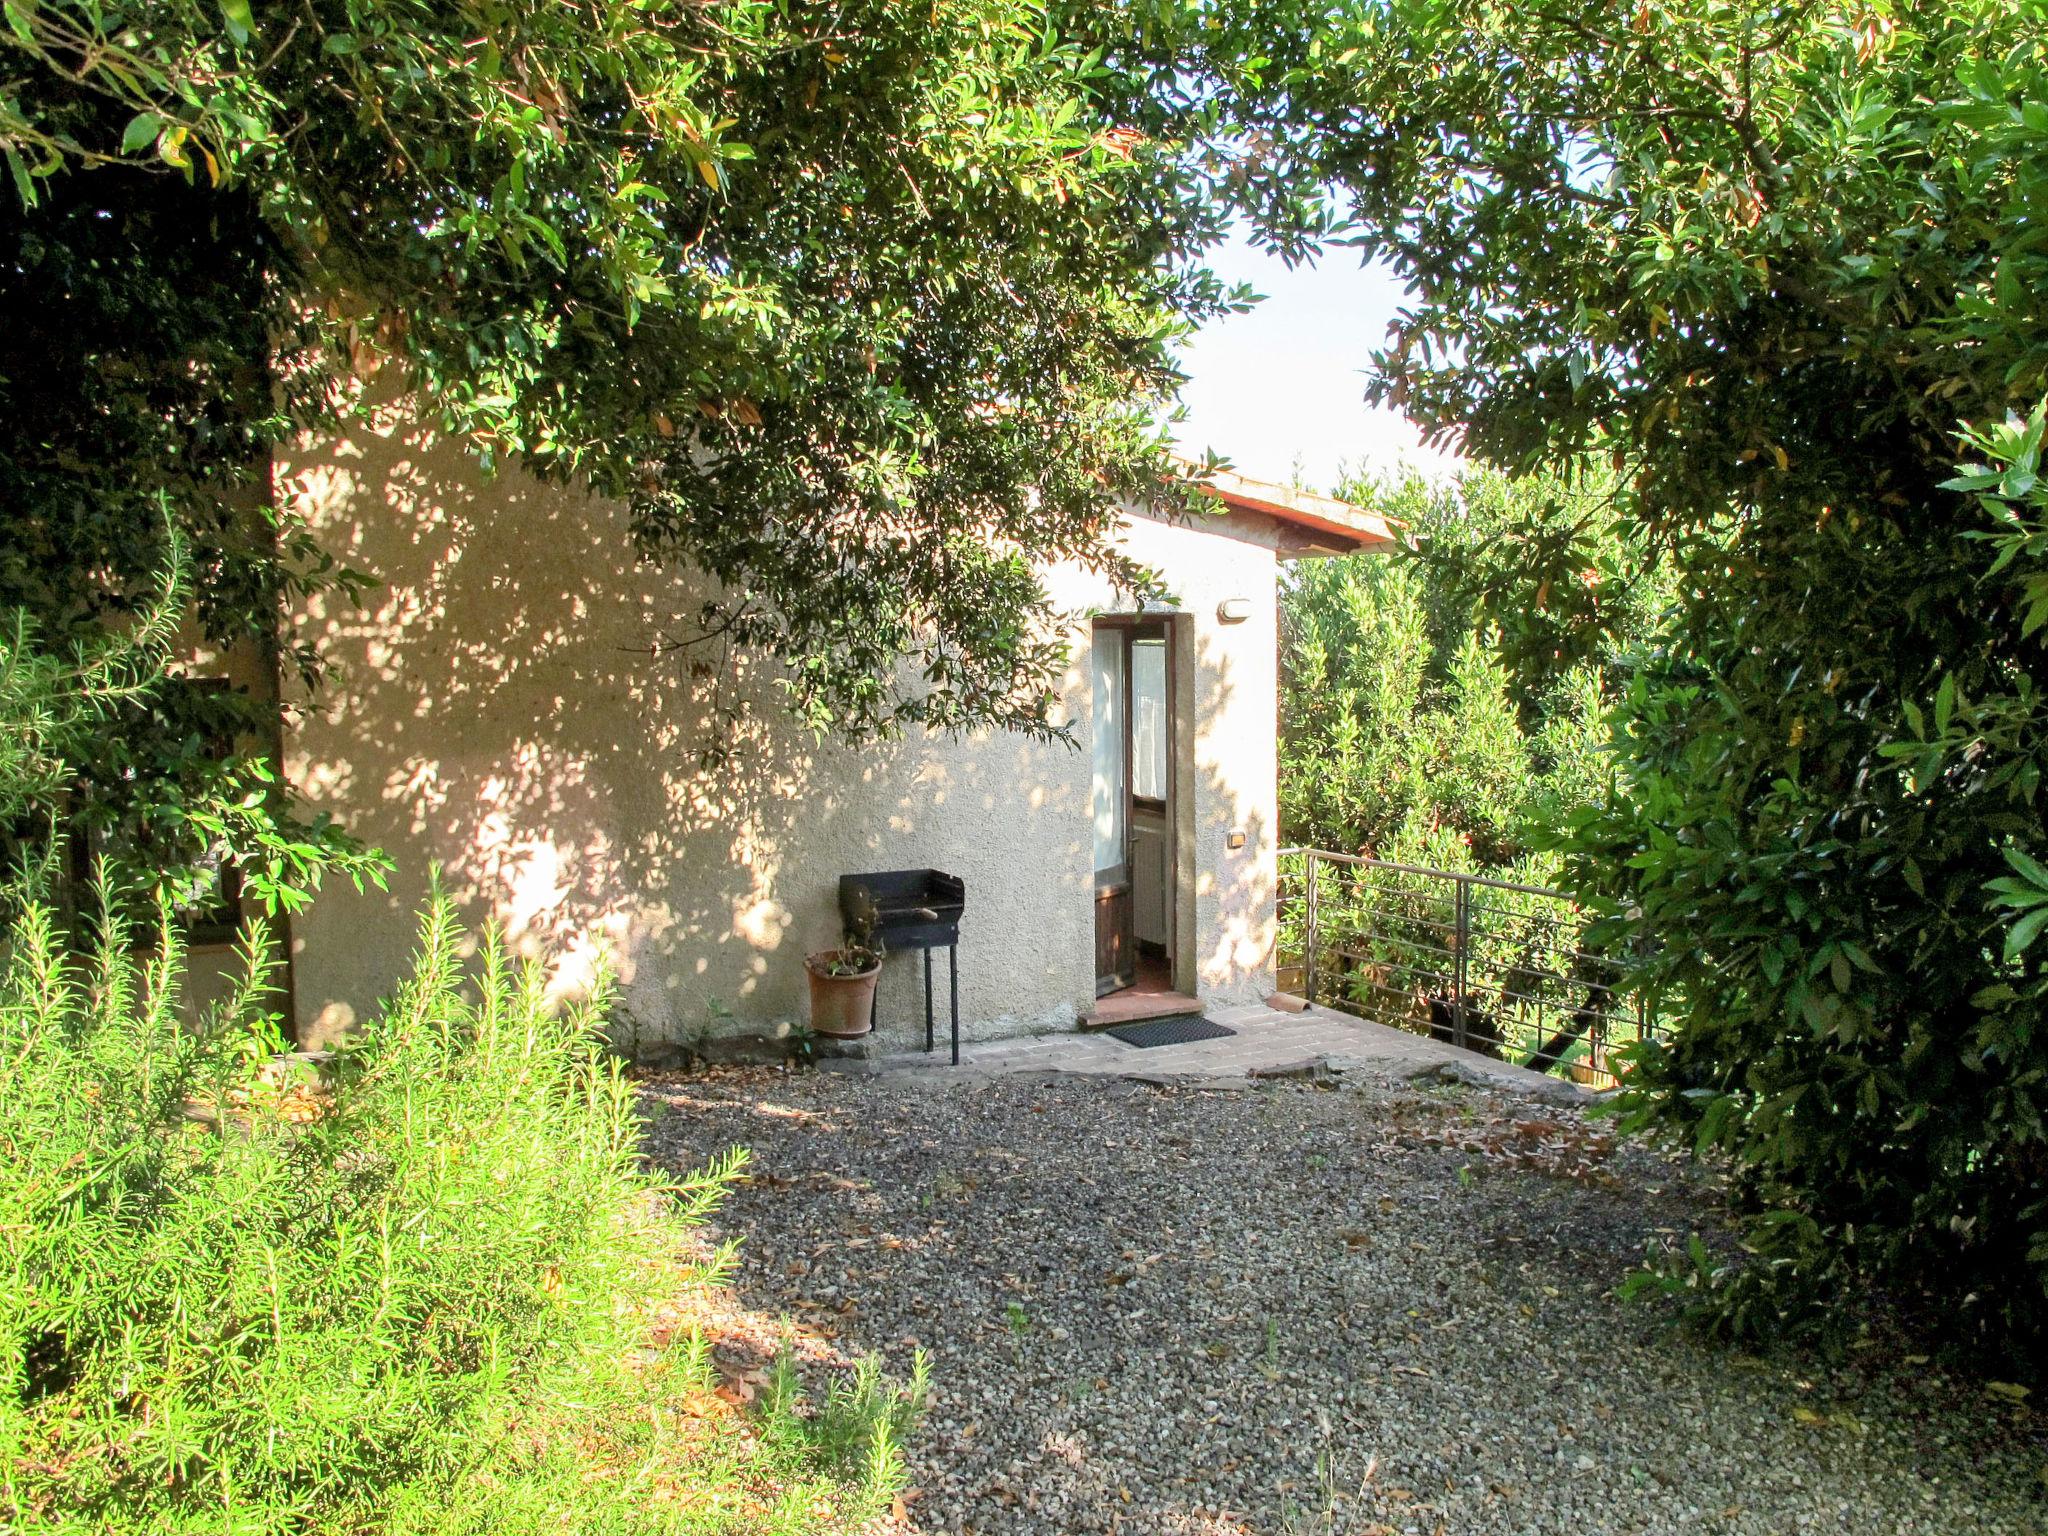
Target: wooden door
x,y
1116,952
1116,955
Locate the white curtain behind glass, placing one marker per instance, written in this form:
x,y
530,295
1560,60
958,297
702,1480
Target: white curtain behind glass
x,y
1109,748
1148,719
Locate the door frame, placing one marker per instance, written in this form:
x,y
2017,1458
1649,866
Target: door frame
x,y
1132,627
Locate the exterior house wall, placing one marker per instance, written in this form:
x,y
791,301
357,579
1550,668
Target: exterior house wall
x,y
494,711
215,968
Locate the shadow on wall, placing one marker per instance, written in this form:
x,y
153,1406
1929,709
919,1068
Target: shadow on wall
x,y
494,710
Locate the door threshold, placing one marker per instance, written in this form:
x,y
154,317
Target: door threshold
x,y
1131,1006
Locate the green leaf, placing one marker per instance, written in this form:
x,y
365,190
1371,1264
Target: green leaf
x,y
24,188
2024,932
141,132
2032,868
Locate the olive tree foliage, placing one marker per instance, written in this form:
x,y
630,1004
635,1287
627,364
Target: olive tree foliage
x,y
862,309
1780,265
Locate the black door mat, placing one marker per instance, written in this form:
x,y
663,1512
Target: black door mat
x,y
1186,1029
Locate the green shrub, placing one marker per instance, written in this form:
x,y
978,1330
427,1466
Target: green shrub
x,y
1403,736
371,1296
1765,262
1406,739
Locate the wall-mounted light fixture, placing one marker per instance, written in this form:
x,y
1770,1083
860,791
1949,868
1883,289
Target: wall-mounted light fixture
x,y
1233,610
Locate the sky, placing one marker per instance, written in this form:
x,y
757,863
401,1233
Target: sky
x,y
1280,391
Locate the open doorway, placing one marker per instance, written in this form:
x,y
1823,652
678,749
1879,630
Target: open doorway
x,y
1136,820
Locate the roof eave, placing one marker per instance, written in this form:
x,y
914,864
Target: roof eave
x,y
1325,525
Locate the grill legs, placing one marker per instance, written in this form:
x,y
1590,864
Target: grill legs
x,y
953,986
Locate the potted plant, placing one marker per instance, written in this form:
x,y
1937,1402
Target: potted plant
x,y
843,981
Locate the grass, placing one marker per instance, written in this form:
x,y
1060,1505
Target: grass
x,y
650,1448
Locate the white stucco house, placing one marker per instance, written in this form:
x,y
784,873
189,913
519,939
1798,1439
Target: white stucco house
x,y
493,713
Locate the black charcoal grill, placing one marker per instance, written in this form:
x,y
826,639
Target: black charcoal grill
x,y
912,909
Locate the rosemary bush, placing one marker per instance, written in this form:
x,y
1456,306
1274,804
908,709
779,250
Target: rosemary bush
x,y
236,1300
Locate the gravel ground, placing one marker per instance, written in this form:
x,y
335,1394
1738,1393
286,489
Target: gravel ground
x,y
1380,1308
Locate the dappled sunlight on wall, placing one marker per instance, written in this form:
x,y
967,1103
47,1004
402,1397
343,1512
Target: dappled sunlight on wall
x,y
495,711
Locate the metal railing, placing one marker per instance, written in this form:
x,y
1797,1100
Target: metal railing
x,y
1486,965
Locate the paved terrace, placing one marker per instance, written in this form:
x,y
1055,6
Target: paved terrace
x,y
1274,1039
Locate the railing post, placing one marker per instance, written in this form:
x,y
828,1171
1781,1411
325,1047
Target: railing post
x,y
1461,939
1311,935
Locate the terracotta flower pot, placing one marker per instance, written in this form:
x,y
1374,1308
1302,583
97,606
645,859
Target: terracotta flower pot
x,y
841,1006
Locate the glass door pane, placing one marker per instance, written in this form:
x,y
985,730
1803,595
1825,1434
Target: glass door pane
x,y
1148,719
1108,738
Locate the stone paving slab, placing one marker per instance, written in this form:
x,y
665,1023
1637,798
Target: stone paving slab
x,y
1270,1042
